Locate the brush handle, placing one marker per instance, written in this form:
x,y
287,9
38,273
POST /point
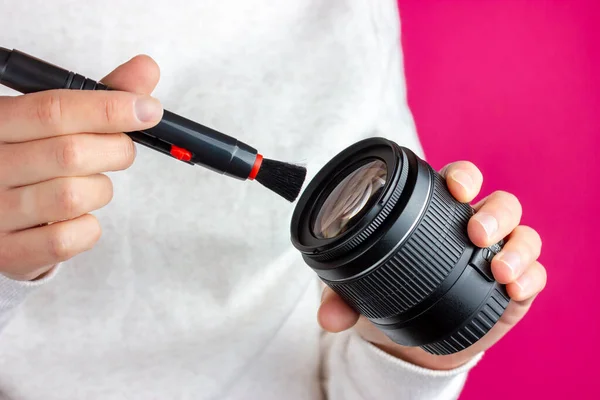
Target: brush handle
x,y
174,135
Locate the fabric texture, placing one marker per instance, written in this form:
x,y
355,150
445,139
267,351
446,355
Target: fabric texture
x,y
194,290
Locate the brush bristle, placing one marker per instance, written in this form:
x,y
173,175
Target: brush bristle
x,y
282,178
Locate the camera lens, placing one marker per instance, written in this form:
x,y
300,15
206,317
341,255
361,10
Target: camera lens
x,y
379,226
349,198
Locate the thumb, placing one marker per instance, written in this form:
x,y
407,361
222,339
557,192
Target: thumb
x,y
138,75
334,314
464,180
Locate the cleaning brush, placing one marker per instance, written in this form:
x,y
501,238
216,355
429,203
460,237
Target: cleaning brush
x,y
174,135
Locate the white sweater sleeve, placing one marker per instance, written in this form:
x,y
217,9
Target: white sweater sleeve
x,y
356,370
13,293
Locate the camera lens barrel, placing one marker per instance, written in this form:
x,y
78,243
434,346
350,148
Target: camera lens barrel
x,y
379,227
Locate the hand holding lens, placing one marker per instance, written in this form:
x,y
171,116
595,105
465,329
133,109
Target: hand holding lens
x,y
379,226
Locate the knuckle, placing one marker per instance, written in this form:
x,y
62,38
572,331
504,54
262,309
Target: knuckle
x,y
111,107
539,277
531,233
69,200
105,191
60,244
129,151
49,109
109,190
95,231
532,239
543,274
69,153
509,201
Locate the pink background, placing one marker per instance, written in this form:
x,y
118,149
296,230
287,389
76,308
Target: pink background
x,y
513,86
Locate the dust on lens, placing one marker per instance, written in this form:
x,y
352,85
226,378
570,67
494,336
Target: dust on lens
x,y
346,204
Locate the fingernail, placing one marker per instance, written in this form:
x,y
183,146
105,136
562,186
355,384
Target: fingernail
x,y
488,222
512,261
524,283
463,179
148,109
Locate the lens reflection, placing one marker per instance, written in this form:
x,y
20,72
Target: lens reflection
x,y
343,206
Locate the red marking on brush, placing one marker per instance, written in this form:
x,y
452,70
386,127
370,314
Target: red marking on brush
x,y
180,153
255,167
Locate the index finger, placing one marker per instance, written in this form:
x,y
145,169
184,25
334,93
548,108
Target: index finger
x,y
138,75
63,112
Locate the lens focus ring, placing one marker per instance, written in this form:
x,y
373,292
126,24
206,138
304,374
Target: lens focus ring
x,y
419,266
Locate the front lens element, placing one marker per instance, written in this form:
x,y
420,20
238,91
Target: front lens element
x,y
346,204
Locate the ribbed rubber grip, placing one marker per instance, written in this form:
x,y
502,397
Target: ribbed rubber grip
x,y
419,266
79,82
475,328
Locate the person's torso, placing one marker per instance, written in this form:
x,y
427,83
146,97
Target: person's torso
x,y
194,290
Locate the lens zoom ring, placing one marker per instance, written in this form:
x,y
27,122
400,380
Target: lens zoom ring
x,y
476,328
420,265
377,221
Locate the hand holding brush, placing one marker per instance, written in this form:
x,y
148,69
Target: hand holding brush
x,y
174,135
55,146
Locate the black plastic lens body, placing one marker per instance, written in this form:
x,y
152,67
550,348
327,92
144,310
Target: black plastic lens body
x,y
403,258
209,148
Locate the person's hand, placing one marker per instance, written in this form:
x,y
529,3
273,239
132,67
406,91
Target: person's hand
x,y
54,147
496,217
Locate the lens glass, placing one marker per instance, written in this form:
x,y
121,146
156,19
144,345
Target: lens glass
x,y
350,199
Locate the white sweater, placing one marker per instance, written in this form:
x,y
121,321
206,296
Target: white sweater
x,y
194,290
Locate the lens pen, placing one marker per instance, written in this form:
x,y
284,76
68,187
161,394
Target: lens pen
x,y
174,135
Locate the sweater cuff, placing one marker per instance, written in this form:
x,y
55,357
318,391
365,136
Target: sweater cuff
x,y
377,355
375,374
13,293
